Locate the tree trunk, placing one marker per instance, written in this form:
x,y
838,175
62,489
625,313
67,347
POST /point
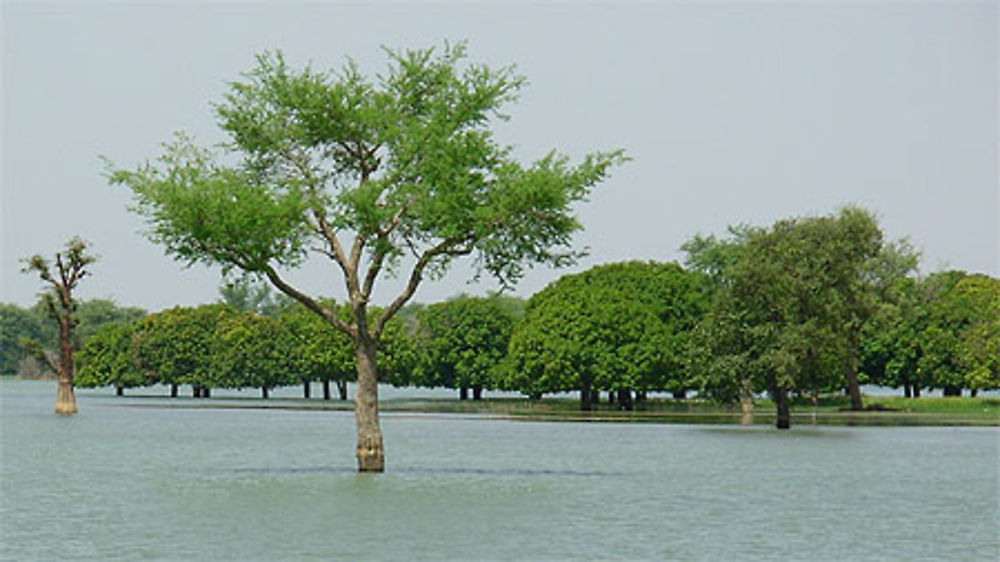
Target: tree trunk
x,y
120,390
65,398
370,451
196,391
784,420
975,392
625,399
611,398
640,396
853,388
206,392
463,393
907,391
306,389
326,389
536,396
585,398
680,394
173,391
342,389
746,409
595,397
263,392
916,391
950,390
477,393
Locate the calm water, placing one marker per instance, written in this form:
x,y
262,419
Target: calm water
x,y
128,480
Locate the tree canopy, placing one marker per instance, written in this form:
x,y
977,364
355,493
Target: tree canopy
x,y
366,173
614,327
463,342
792,302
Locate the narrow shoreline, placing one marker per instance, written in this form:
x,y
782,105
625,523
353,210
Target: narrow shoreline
x,y
560,410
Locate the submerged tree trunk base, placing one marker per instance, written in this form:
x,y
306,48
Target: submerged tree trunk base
x,y
173,391
784,419
371,455
326,390
370,450
65,399
625,399
477,393
306,389
342,389
854,390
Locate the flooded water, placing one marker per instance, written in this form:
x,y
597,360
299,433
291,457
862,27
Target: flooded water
x,y
128,479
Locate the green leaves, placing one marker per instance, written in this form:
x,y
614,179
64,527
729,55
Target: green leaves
x,y
402,164
617,326
464,341
791,302
251,350
109,358
205,213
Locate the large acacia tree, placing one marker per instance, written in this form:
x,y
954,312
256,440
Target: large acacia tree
x,y
374,175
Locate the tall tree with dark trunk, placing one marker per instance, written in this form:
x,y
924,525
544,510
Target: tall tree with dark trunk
x,y
62,278
373,175
789,306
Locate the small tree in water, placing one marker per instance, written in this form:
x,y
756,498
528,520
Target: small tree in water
x,y
62,278
367,174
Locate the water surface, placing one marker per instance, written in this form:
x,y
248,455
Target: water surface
x,y
122,481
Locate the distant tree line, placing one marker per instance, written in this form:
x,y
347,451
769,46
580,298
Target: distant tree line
x,y
24,329
807,306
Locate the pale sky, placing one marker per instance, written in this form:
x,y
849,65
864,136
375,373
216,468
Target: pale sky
x,y
732,112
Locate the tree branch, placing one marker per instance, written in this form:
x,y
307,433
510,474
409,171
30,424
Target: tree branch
x,y
336,250
309,302
446,247
351,271
35,348
378,259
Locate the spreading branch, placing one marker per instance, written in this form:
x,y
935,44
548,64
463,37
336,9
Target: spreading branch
x,y
309,302
450,247
378,258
